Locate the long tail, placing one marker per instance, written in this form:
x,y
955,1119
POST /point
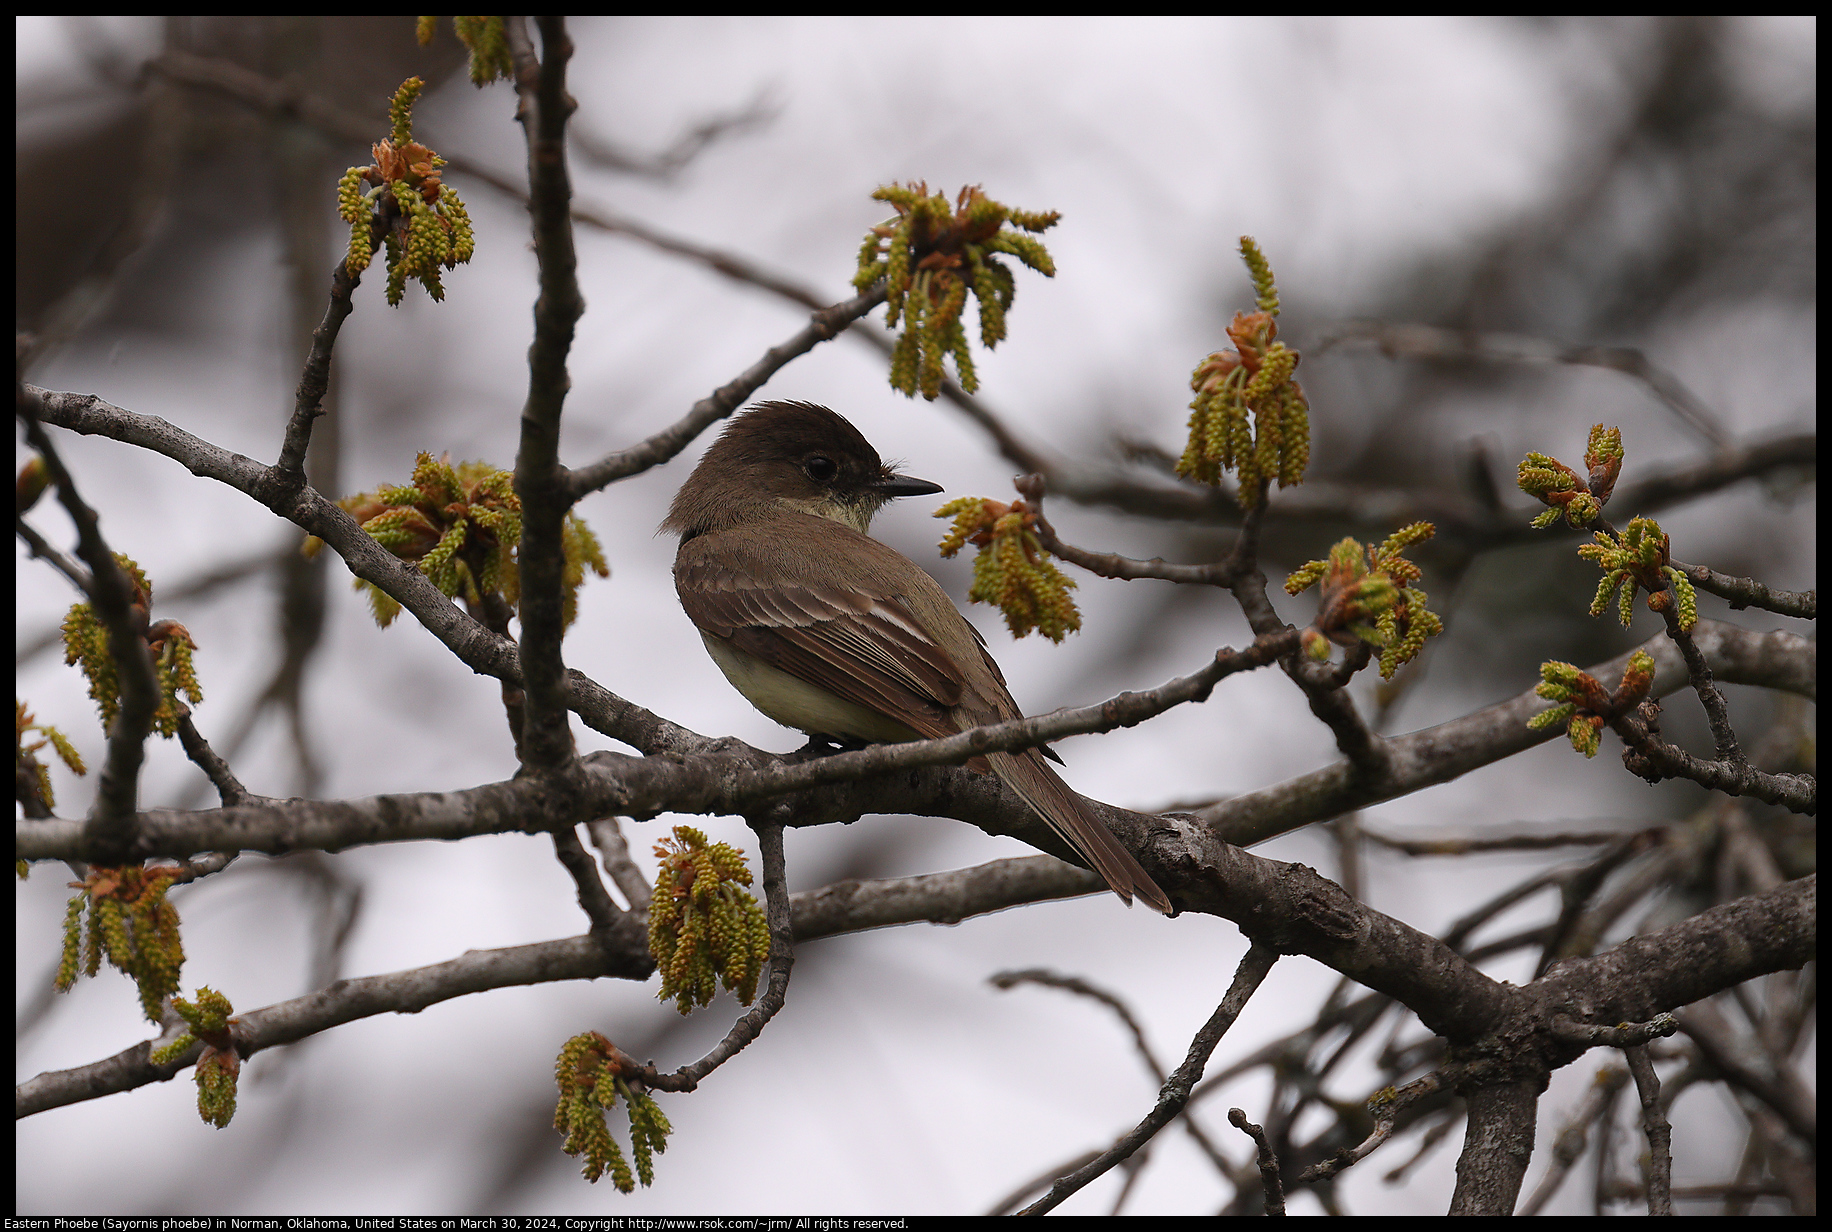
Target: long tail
x,y
1026,774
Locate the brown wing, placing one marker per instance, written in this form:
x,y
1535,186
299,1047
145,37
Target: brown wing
x,y
867,648
773,596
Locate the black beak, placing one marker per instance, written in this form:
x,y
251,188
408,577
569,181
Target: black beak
x,y
890,485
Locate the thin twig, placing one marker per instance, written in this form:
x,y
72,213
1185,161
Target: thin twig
x,y
825,324
1176,1090
1659,1131
43,549
1110,565
782,959
1510,842
1780,1092
1745,592
228,787
1576,886
1625,1035
1433,342
1272,1189
315,379
1122,710
1658,759
594,899
625,874
1570,1141
1005,1205
1007,980
682,150
202,584
111,825
1069,983
1386,1108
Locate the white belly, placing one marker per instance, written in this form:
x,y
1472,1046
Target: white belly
x,y
796,703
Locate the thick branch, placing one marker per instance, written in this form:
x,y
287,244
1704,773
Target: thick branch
x,y
1497,1146
619,953
540,483
734,779
1684,962
1656,973
939,898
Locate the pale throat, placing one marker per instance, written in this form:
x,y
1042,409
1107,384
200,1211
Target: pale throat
x,y
856,514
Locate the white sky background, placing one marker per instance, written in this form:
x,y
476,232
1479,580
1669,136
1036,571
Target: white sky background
x,y
896,1081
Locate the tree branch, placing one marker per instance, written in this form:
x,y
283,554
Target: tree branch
x,y
111,824
545,739
1434,342
474,645
1450,750
826,324
315,379
1175,1093
1747,592
402,992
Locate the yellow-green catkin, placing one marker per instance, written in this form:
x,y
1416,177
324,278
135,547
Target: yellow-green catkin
x,y
1012,571
592,1076
1249,416
932,256
461,523
402,196
704,928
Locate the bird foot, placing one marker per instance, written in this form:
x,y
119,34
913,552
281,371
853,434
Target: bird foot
x,y
826,746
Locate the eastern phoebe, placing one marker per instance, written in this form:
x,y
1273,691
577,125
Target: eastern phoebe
x,y
825,629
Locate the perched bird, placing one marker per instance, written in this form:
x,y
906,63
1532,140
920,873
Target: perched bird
x,y
827,630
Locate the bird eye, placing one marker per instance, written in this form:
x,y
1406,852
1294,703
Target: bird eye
x,y
821,468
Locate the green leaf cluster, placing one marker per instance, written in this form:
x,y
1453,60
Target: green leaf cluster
x,y
462,524
1578,499
1640,558
1583,703
1369,595
26,751
484,37
208,1016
